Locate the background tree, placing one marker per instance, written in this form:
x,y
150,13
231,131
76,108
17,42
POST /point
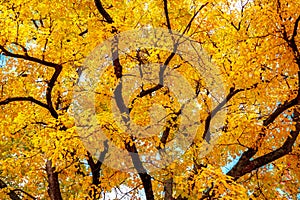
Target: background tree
x,y
255,46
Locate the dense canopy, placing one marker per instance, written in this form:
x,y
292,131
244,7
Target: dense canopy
x,y
253,46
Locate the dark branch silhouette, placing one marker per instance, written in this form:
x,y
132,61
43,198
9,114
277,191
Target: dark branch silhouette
x,y
167,15
96,168
232,93
103,12
31,99
11,193
245,165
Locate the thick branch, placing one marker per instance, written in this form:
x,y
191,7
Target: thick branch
x,y
164,66
280,109
144,176
168,189
27,57
103,12
146,92
131,148
292,43
242,167
53,187
31,99
49,91
118,68
115,56
296,28
96,167
52,81
206,133
244,164
167,15
166,133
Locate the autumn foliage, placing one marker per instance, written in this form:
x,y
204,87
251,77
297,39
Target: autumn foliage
x,y
253,45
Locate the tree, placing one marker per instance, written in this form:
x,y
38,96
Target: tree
x,y
253,45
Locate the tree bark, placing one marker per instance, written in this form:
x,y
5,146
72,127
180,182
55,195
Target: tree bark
x,y
168,189
53,187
